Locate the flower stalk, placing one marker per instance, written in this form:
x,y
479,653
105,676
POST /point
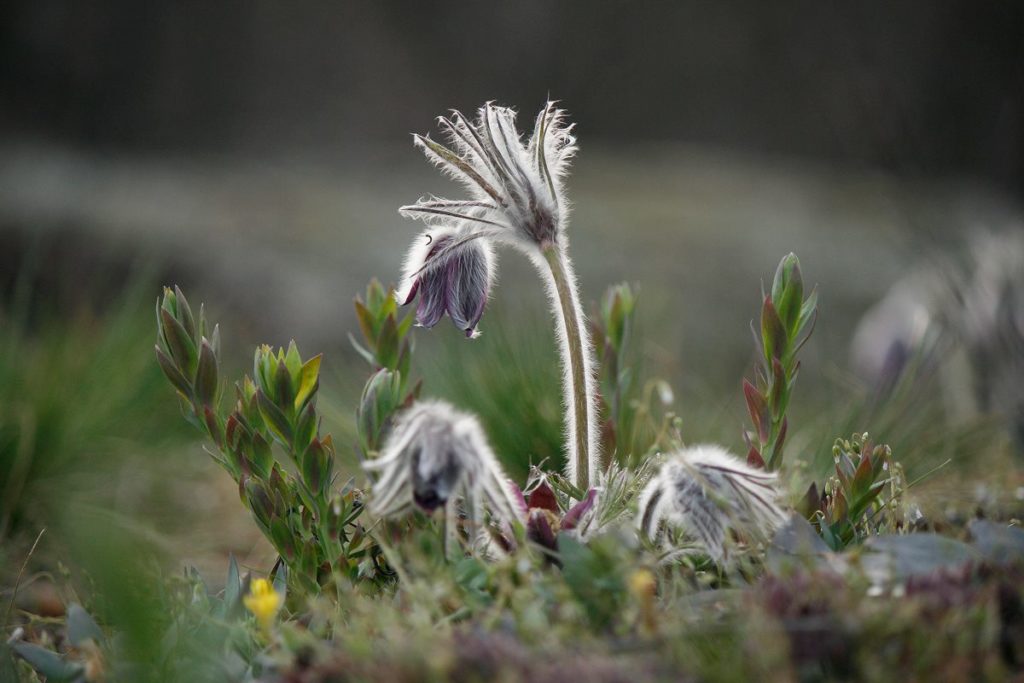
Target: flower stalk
x,y
574,346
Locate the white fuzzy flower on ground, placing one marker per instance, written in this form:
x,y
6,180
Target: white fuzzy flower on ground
x,y
434,456
704,491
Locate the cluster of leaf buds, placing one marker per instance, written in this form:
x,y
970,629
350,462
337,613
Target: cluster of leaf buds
x,y
188,351
387,346
312,526
787,320
862,472
386,343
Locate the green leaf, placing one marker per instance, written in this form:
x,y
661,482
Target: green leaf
x,y
262,456
284,390
264,367
185,313
788,292
404,325
828,535
309,381
758,410
366,321
274,418
314,466
784,275
182,347
47,663
259,500
780,390
807,311
232,587
281,580
82,627
293,361
862,476
8,667
773,334
305,428
387,344
283,538
206,375
173,374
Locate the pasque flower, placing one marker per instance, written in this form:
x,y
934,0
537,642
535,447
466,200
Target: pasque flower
x,y
704,491
543,518
434,455
458,286
516,198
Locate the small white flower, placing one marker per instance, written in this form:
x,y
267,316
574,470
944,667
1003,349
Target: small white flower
x,y
704,491
435,455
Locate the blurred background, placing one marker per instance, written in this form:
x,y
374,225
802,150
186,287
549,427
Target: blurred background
x,y
255,153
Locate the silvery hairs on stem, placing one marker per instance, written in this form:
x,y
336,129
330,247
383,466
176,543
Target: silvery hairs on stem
x,y
434,455
704,491
516,198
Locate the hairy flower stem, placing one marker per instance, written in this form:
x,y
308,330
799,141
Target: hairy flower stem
x,y
574,345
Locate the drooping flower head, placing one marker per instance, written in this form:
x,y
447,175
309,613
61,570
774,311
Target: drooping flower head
x,y
435,455
459,286
704,491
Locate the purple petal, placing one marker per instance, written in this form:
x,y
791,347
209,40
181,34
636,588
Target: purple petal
x,y
469,281
544,498
518,495
576,512
431,307
538,530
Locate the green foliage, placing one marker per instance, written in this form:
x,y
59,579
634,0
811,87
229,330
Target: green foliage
x,y
851,506
387,347
76,398
594,600
507,377
787,320
386,343
270,444
637,420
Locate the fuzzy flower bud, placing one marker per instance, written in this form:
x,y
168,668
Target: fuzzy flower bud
x,y
434,455
704,491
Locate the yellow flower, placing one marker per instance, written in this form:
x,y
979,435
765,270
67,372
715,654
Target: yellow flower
x,y
643,586
263,601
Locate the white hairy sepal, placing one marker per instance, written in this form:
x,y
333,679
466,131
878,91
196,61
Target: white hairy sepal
x,y
440,434
704,491
516,187
415,263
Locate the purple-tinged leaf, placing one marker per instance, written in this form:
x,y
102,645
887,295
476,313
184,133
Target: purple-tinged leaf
x,y
575,514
